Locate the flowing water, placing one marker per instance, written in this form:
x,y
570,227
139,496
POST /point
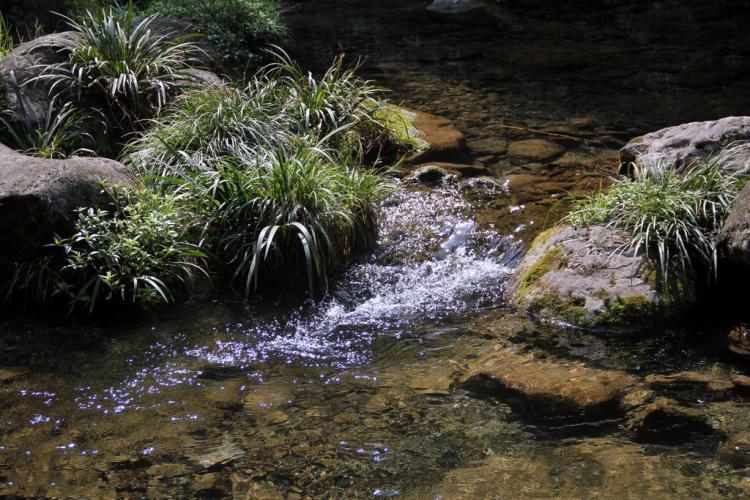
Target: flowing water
x,y
355,395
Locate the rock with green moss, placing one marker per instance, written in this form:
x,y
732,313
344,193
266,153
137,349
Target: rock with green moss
x,y
580,278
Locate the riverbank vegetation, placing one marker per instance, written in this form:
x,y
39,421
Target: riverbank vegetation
x,y
267,181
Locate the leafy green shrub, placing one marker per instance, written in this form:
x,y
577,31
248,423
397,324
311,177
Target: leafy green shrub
x,y
675,215
122,66
286,210
137,254
238,28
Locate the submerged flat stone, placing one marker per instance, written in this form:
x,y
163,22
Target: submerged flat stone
x,y
535,150
545,388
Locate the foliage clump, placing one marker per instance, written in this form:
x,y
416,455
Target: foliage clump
x,y
137,253
239,29
672,215
275,168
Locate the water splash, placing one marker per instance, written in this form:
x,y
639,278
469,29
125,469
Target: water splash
x,y
432,263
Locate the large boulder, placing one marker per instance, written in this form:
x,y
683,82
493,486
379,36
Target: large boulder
x,y
691,142
28,60
38,198
21,65
579,277
734,238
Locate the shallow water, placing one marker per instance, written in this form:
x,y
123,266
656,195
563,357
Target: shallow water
x,y
355,395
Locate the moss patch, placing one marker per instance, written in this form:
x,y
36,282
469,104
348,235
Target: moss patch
x,y
570,310
543,237
631,310
553,259
400,124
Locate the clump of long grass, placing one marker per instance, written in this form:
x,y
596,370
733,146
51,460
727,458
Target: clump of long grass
x,y
280,211
123,66
239,29
275,168
280,105
670,215
205,125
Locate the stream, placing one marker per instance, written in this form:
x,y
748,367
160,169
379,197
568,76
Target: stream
x,y
356,395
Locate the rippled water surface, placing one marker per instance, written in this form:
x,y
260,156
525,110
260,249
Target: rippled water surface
x,y
355,396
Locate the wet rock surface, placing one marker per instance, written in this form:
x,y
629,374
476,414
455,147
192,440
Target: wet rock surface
x,y
444,140
666,421
579,277
38,197
548,389
603,468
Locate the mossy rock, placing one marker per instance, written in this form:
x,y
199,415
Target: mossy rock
x,y
577,277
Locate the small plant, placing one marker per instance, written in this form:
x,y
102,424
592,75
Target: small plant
x,y
238,28
136,254
123,66
673,216
335,103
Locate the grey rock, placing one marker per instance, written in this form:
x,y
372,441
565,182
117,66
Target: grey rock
x,y
38,197
577,276
691,142
430,174
26,62
734,238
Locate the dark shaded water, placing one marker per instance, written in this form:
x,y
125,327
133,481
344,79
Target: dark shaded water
x,y
353,396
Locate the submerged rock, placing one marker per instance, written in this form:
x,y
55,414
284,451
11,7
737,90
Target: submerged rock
x,y
436,172
486,184
444,141
667,421
736,450
592,468
430,174
691,142
535,150
738,340
578,277
548,389
38,198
